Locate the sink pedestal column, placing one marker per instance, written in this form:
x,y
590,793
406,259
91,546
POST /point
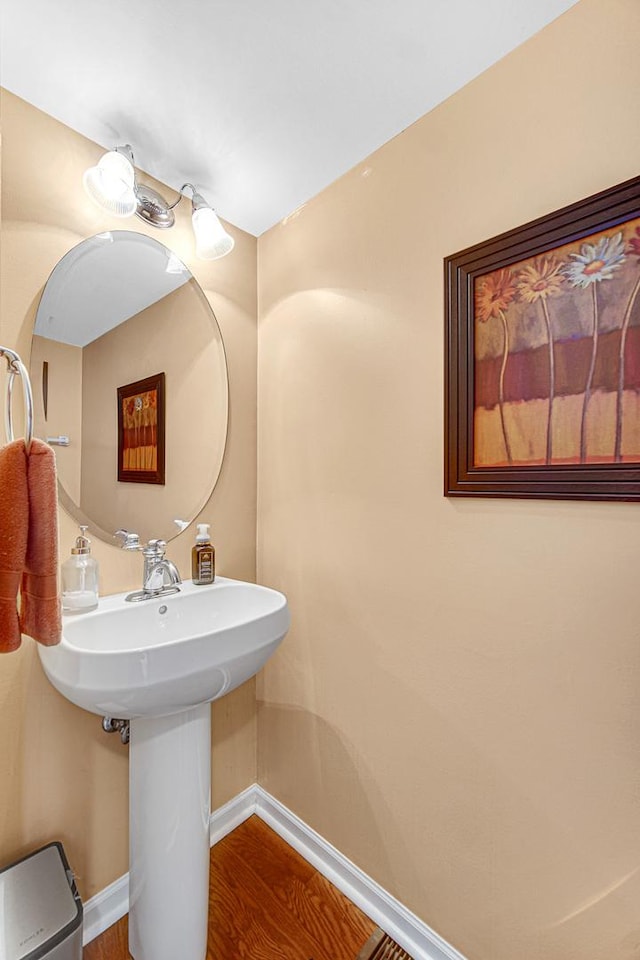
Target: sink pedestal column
x,y
169,807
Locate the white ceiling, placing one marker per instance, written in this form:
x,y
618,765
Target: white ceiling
x,y
261,104
104,281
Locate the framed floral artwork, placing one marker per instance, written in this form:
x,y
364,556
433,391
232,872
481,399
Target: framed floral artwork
x,y
141,431
543,356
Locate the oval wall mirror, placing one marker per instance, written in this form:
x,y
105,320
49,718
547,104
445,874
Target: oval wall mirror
x,y
130,386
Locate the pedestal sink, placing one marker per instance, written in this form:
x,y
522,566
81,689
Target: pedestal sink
x,y
159,664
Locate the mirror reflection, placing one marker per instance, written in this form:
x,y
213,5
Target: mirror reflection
x,y
130,386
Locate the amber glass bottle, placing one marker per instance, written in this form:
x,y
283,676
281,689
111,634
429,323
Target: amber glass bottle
x,y
203,557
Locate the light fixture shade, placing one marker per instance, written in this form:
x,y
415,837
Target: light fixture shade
x,y
111,184
212,240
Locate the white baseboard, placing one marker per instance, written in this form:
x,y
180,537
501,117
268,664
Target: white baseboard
x,y
419,940
232,814
404,927
105,909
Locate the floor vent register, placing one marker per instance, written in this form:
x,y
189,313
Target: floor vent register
x,y
380,946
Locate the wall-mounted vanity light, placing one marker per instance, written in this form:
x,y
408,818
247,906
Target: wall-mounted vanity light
x,y
113,186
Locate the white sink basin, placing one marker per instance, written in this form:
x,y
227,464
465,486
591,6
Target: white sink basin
x,y
158,663
166,655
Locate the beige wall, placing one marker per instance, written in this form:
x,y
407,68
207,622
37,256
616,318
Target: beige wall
x,y
457,705
191,355
60,776
64,407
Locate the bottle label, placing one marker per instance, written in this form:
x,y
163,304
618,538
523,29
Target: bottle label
x,y
205,565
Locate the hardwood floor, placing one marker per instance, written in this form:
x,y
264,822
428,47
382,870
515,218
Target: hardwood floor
x,y
265,903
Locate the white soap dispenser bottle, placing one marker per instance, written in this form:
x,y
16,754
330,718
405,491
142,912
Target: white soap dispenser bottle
x,y
80,577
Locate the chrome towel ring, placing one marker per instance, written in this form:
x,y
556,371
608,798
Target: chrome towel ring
x,y
16,368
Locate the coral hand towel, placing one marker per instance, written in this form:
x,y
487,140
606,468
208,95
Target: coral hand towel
x,y
40,615
14,525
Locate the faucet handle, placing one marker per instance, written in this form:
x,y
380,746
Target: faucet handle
x,y
129,541
155,548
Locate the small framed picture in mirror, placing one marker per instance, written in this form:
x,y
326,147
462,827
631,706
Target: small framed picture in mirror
x,y
141,431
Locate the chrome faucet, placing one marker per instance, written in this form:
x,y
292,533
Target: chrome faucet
x,y
160,577
128,541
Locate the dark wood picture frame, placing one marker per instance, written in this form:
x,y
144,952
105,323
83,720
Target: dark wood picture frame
x,y
141,431
539,243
